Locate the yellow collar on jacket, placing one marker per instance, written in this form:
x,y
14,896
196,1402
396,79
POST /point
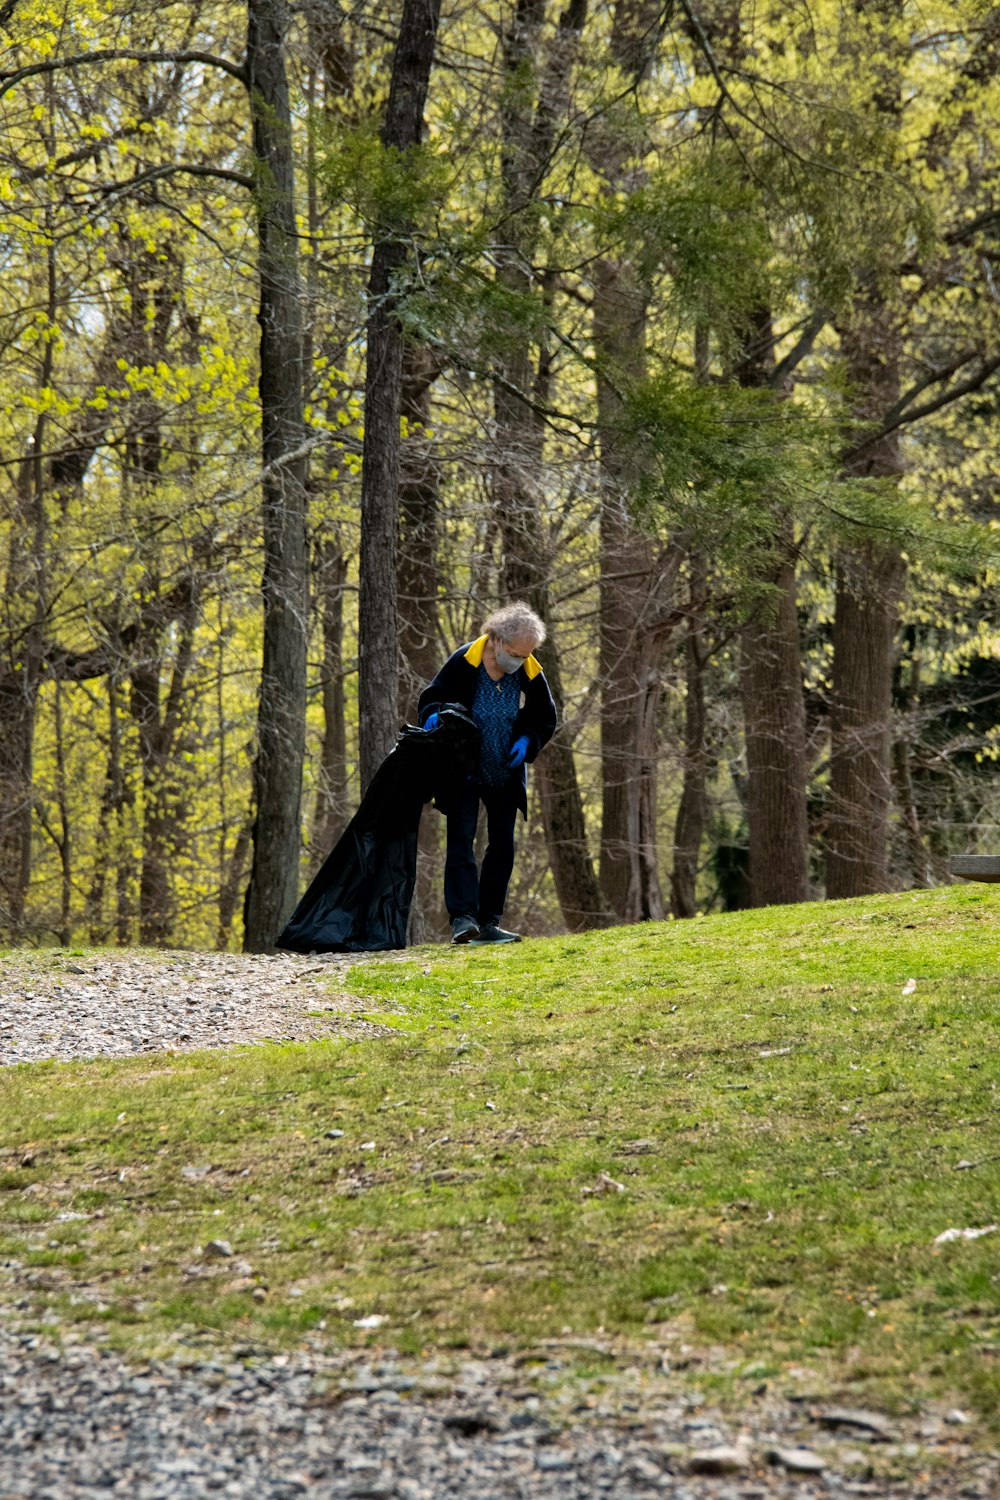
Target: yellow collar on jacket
x,y
474,656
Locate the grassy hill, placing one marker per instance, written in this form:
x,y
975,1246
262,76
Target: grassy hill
x,y
733,1141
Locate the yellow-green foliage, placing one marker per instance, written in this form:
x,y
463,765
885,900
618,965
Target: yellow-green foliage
x,y
818,152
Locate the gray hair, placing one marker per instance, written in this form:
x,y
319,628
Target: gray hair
x,y
513,621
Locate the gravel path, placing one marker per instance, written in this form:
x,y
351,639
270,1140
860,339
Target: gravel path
x,y
78,1421
56,1006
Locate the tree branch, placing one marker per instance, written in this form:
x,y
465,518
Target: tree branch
x,y
704,45
964,232
945,372
963,388
10,78
815,324
192,169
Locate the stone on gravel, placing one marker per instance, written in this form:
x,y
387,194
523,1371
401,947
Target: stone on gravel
x,y
217,1250
553,1463
645,1472
469,1423
797,1460
721,1460
132,1004
877,1429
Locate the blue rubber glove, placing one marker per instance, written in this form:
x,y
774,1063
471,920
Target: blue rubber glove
x,y
432,721
518,751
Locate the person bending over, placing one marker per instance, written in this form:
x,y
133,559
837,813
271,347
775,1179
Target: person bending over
x,y
501,684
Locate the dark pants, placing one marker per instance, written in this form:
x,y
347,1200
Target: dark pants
x,y
483,894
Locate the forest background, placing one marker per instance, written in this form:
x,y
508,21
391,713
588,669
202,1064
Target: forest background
x,y
324,327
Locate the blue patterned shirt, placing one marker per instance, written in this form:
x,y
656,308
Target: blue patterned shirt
x,y
495,708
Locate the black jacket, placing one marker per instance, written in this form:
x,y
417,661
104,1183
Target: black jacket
x,y
359,901
456,683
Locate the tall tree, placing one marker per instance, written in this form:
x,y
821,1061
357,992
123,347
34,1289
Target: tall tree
x,y
419,493
378,612
636,583
773,703
689,827
879,321
532,105
870,580
274,875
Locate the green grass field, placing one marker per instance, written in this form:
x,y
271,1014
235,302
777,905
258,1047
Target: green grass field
x,y
734,1139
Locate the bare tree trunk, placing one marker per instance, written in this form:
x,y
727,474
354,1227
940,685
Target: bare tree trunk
x,y
330,73
906,697
155,893
869,583
330,814
273,886
870,577
518,444
18,699
418,596
775,719
579,894
109,852
631,582
124,875
870,580
417,573
689,829
917,853
24,617
122,802
651,904
770,647
528,117
634,590
159,723
19,686
619,330
153,291
230,887
64,840
773,702
378,620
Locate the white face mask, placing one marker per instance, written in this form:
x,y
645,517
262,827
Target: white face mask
x,y
505,661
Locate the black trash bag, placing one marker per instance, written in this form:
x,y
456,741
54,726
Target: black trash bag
x,y
359,900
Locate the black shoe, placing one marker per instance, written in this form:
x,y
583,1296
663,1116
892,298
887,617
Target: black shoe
x,y
492,932
464,929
